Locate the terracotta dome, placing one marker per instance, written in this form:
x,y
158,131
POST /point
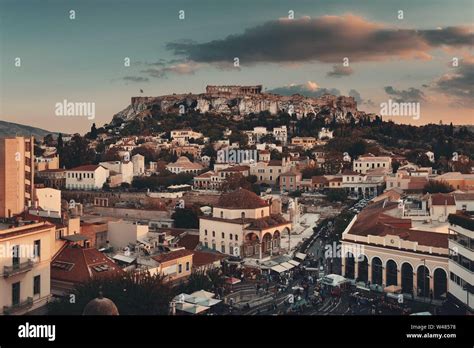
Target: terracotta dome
x,y
100,306
241,199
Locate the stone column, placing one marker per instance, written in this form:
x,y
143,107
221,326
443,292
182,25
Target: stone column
x,y
356,268
369,272
399,277
343,266
260,246
384,276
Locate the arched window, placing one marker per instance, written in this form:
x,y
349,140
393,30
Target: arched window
x,y
261,213
222,214
243,215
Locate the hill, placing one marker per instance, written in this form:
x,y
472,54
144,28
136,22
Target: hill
x,y
12,129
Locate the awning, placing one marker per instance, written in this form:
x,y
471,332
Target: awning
x,y
203,293
279,269
300,256
191,308
123,258
287,265
294,262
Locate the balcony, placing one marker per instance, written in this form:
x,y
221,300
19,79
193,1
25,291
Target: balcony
x,y
22,267
23,305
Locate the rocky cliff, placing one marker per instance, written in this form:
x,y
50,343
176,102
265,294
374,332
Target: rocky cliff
x,y
231,104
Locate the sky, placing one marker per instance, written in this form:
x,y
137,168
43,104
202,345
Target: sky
x,y
425,57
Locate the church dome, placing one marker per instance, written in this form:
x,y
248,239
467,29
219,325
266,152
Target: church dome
x,y
241,199
100,306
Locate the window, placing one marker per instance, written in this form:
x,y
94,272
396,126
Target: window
x,y
213,245
222,235
223,249
222,214
236,237
205,232
187,266
213,233
242,215
180,268
37,285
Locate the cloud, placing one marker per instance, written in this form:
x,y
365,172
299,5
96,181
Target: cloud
x,y
136,79
408,95
177,67
356,95
326,39
458,84
340,71
309,89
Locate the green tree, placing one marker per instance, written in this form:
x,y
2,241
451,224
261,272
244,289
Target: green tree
x,y
434,186
133,294
186,218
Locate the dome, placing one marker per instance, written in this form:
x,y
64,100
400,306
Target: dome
x,y
241,199
100,306
183,159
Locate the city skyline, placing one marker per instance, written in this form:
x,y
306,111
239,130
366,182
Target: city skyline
x,y
82,59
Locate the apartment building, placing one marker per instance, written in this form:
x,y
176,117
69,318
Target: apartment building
x,y
46,162
369,162
269,172
122,169
306,143
86,177
25,266
182,136
16,175
461,260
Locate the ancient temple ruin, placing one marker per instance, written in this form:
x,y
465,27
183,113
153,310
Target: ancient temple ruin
x,y
235,90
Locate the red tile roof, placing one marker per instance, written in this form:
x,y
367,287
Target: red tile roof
x,y
172,255
241,199
86,168
82,262
189,241
442,199
202,258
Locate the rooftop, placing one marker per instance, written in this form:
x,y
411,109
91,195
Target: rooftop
x,y
241,199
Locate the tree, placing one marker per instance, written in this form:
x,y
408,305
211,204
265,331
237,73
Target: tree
x,y
133,294
336,195
60,142
186,218
93,132
434,186
112,155
77,152
146,151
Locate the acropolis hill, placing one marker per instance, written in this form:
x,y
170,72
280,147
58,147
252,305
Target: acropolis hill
x,y
240,100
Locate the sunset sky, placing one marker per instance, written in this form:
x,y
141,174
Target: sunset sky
x,y
82,60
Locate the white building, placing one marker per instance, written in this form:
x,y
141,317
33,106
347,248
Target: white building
x,y
241,225
461,260
124,168
87,177
184,165
383,247
48,199
325,133
368,162
138,164
182,136
281,134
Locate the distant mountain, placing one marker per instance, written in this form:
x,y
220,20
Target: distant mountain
x,y
12,129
